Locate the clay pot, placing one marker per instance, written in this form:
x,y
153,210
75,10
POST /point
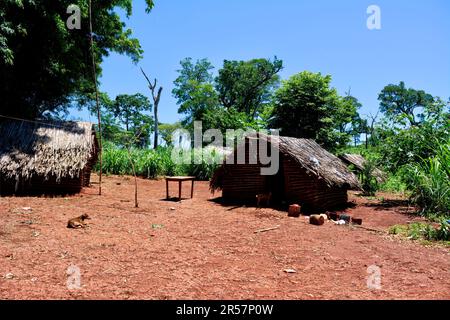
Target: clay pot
x,y
294,210
316,219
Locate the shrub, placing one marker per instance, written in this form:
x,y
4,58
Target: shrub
x,y
369,182
429,183
394,183
425,231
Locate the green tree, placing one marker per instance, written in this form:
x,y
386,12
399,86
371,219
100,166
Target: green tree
x,y
305,106
359,126
194,90
404,105
167,129
247,86
44,65
413,144
131,113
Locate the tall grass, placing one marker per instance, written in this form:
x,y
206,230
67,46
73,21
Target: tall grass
x,y
429,183
369,181
156,163
394,183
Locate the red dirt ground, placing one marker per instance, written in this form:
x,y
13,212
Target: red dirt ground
x,y
199,249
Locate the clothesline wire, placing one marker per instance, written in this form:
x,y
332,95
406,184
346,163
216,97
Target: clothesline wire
x,y
34,121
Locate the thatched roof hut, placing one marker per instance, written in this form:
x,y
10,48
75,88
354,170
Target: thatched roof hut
x,y
46,157
358,162
308,175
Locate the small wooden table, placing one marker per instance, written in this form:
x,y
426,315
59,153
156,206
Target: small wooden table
x,y
180,181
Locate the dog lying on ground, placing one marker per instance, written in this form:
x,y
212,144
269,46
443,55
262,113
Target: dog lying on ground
x,y
78,222
265,198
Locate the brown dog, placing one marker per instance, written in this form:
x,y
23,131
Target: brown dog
x,y
78,222
265,198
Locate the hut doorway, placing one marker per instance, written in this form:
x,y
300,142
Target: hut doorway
x,y
275,184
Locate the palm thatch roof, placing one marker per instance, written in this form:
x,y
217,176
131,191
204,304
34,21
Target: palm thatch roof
x,y
58,149
309,155
358,161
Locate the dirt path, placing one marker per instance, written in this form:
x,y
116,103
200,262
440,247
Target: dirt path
x,y
198,249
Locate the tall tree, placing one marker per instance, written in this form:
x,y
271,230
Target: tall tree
x,y
131,112
156,96
44,65
404,105
194,90
247,85
359,126
305,106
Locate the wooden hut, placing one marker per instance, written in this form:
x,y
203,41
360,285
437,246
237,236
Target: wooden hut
x,y
308,175
46,157
358,161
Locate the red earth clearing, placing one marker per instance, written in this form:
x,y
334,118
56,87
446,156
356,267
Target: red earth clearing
x,y
200,249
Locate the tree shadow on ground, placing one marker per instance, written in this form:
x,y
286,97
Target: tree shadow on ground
x,y
402,206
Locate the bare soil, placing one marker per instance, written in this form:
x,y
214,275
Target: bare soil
x,y
200,249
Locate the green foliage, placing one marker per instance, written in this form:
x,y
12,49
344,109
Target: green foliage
x,y
131,113
148,163
429,182
369,182
358,127
394,183
223,119
423,231
237,99
247,86
126,120
411,145
194,90
45,66
307,107
156,163
401,105
205,163
166,131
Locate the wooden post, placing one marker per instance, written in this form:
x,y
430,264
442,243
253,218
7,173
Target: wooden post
x,y
167,189
179,190
99,117
192,189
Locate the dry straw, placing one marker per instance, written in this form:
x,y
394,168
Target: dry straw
x,y
58,149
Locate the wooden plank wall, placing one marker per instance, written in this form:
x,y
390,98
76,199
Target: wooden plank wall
x,y
39,186
309,191
242,182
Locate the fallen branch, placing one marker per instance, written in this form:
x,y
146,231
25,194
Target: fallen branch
x,y
266,229
369,229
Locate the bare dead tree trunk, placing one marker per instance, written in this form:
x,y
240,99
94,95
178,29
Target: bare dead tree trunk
x,y
156,96
99,118
367,142
373,119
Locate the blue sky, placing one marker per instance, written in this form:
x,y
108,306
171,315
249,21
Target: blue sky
x,y
324,36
